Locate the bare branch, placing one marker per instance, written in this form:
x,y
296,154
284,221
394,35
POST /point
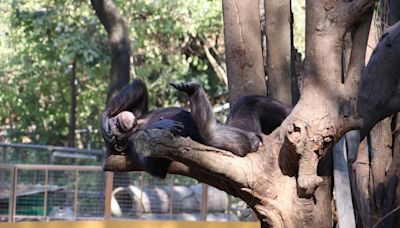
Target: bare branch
x,y
221,73
192,159
327,32
278,34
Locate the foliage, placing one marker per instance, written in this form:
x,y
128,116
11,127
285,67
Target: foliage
x,y
166,44
299,14
42,39
39,40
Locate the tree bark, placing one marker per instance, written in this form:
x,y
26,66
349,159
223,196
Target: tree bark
x,y
394,175
361,182
244,60
279,47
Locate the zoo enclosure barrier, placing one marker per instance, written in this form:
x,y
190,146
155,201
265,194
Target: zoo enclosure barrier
x,y
82,192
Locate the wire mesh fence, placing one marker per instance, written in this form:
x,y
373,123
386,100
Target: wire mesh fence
x,y
83,192
51,192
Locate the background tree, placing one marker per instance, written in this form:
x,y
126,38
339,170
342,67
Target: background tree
x,y
40,41
288,181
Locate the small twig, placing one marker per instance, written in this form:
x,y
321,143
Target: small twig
x,y
387,215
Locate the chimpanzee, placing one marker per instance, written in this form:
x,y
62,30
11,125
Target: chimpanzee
x,y
128,112
250,116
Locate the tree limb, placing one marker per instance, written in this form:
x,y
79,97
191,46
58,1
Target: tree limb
x,y
162,143
221,73
278,30
125,163
192,159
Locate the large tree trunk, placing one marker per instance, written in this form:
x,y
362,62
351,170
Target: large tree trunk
x,y
244,60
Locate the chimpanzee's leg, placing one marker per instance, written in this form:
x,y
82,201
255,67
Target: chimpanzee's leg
x,y
225,137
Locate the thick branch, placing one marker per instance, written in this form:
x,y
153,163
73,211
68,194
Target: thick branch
x,y
379,94
325,31
125,163
323,113
161,143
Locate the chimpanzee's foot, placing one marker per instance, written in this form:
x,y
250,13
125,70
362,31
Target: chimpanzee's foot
x,y
189,87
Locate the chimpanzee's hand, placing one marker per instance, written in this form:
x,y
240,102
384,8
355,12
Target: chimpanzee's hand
x,y
173,126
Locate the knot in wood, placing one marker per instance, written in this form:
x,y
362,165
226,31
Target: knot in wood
x,y
296,132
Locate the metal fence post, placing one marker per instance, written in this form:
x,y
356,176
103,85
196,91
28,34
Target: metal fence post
x,y
46,189
13,195
171,196
203,203
76,194
108,195
3,157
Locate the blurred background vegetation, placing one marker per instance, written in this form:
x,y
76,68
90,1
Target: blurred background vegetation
x,y
39,41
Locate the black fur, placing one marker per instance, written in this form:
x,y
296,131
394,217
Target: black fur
x,y
259,114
